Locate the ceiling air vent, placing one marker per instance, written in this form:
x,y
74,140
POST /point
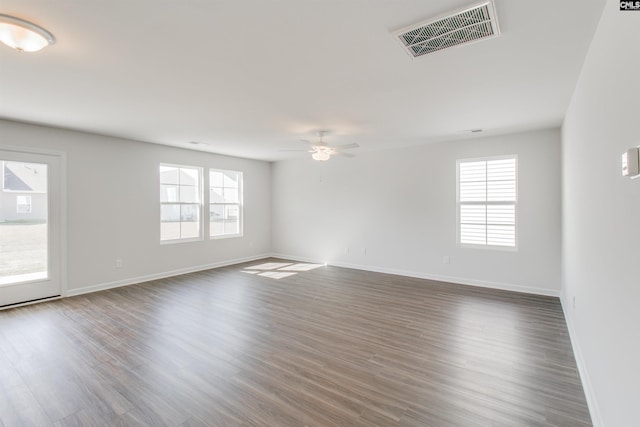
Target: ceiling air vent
x,y
471,24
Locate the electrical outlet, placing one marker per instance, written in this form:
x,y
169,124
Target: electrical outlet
x,y
574,301
446,259
364,251
118,262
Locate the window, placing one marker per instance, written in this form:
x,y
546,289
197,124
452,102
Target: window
x,y
180,202
23,204
487,199
225,203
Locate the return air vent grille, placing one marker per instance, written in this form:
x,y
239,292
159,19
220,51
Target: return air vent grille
x,y
471,24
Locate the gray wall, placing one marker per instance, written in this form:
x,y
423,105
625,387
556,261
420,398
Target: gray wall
x,y
113,207
601,220
399,206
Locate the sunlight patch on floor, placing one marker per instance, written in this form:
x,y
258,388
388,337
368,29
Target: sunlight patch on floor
x,y
269,266
279,270
300,267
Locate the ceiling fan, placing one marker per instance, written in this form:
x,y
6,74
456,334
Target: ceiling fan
x,y
322,151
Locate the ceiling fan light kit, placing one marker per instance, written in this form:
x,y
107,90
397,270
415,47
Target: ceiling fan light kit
x,y
322,152
321,156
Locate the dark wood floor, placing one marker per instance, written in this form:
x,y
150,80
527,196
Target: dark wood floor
x,y
324,347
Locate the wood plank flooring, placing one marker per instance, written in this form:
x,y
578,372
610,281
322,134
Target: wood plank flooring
x,y
324,347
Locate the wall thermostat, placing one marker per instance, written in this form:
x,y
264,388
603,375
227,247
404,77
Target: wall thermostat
x,y
631,163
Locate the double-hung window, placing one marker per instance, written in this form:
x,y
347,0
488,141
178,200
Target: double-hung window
x,y
487,202
225,203
180,202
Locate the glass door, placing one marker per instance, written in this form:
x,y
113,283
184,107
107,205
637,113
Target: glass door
x,y
30,226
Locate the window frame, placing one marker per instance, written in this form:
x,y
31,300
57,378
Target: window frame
x,y
240,203
487,203
200,204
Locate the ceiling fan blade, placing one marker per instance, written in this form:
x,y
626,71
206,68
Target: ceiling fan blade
x,y
340,153
298,151
345,146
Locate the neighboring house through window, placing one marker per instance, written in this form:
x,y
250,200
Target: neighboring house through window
x,y
487,202
180,202
225,203
23,185
23,204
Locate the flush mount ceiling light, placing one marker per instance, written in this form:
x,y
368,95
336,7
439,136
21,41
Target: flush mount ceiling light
x,y
23,36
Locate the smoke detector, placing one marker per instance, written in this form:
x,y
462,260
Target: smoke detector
x,y
474,23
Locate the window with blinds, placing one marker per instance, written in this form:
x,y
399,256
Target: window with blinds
x,y
487,201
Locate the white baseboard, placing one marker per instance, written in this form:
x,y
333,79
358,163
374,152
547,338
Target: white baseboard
x,y
141,279
436,277
592,403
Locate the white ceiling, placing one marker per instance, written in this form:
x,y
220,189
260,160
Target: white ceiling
x,y
252,77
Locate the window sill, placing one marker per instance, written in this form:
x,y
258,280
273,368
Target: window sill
x,y
489,247
226,236
174,241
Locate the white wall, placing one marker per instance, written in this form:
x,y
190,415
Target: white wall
x,y
400,206
601,220
113,207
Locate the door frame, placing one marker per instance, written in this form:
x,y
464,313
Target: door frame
x,y
61,233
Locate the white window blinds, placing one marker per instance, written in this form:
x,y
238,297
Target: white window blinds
x,y
487,197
